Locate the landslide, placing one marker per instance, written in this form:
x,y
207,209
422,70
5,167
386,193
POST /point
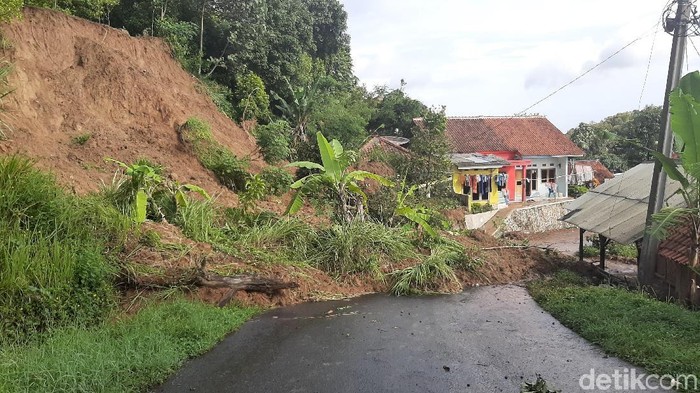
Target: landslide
x,y
73,77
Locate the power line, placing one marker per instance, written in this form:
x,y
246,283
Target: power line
x,y
583,74
646,74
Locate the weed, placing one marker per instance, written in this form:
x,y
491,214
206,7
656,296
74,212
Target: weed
x,y
291,237
198,221
5,90
277,180
55,250
221,96
129,355
663,338
540,386
360,247
229,169
255,190
81,139
430,275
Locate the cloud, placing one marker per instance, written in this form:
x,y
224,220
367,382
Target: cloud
x,y
485,57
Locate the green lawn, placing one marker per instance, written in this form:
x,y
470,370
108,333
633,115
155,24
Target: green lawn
x,y
661,337
129,355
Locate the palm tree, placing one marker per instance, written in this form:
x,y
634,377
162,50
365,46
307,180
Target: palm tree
x,y
334,175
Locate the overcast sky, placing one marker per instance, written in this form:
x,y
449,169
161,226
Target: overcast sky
x,y
488,57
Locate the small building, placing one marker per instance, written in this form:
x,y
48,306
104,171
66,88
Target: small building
x,y
588,173
476,177
536,151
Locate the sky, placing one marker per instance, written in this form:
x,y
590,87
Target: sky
x,y
497,58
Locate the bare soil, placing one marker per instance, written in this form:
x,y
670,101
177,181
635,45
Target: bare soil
x,y
73,77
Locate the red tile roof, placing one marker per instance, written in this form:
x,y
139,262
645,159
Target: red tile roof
x,y
676,247
528,135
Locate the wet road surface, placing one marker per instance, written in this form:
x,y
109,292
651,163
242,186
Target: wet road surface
x,y
488,339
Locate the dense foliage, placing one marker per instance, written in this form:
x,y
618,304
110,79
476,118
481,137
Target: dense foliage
x,y
616,140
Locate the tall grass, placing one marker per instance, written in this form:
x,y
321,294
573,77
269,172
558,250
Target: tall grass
x,y
5,90
130,355
198,221
430,275
54,253
289,238
360,247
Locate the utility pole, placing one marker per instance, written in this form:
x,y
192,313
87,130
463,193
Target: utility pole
x,y
650,245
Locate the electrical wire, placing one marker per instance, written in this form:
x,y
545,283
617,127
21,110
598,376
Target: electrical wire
x,y
589,70
646,74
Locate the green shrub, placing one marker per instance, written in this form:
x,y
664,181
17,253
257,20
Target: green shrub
x,y
481,208
251,95
229,169
277,180
576,191
221,96
54,249
360,247
612,249
274,140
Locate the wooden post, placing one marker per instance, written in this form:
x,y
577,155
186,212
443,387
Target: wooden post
x,y
603,245
581,231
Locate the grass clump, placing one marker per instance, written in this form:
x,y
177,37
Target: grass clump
x,y
129,355
229,169
81,139
55,253
5,90
430,275
360,247
663,338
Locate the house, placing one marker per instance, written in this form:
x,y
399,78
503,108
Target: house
x,y
537,152
476,177
391,144
588,172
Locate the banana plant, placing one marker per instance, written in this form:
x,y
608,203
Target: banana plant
x,y
419,215
334,175
685,123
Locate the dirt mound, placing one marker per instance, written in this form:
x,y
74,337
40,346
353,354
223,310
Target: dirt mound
x,y
73,77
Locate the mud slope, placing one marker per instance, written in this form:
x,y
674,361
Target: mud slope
x,y
75,77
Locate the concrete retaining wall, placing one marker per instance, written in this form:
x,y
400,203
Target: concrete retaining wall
x,y
540,218
474,221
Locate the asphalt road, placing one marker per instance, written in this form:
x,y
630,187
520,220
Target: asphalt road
x,y
488,339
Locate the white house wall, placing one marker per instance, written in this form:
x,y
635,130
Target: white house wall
x,y
560,165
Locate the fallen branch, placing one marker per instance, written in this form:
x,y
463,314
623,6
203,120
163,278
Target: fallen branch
x,y
520,246
268,286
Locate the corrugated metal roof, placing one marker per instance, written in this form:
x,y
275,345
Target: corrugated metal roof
x,y
476,160
617,209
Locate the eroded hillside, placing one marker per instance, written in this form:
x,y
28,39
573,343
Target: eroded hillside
x,y
125,95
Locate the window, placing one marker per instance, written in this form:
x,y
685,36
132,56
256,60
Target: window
x,y
548,175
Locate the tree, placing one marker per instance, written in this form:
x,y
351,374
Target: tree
x,y
615,140
253,101
685,123
335,177
395,112
429,162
